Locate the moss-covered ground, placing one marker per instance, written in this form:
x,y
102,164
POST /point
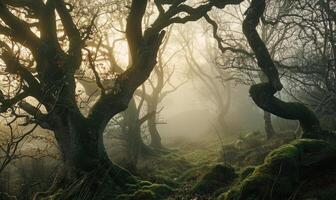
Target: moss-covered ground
x,y
249,168
183,166
277,169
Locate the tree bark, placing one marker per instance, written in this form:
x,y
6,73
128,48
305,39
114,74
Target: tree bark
x,y
86,166
154,133
269,130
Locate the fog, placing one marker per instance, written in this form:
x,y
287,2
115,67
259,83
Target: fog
x,y
167,99
187,114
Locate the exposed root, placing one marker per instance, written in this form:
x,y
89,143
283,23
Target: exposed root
x,y
102,183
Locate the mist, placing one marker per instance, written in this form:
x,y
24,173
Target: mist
x,y
167,99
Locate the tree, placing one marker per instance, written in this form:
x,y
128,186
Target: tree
x,y
311,71
50,80
13,137
263,93
143,108
160,87
237,59
10,146
295,34
18,144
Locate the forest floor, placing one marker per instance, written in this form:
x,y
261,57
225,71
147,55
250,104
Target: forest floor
x,y
208,168
205,169
183,165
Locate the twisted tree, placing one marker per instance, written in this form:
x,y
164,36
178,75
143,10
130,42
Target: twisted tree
x,y
49,78
263,93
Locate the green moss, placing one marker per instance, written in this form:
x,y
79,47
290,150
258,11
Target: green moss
x,y
246,172
274,177
308,145
325,194
55,196
144,183
279,176
218,177
164,170
193,174
146,191
253,148
159,189
164,179
143,195
285,151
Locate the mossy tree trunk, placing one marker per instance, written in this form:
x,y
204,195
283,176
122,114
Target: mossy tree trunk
x,y
81,145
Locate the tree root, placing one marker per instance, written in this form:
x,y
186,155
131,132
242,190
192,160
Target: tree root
x,y
102,183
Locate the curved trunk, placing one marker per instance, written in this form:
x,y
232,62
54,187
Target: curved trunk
x,y
87,169
263,93
79,144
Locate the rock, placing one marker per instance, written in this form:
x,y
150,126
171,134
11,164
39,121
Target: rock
x,y
284,169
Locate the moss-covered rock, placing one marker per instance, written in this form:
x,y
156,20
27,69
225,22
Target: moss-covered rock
x,y
160,190
246,172
146,191
144,183
218,177
193,174
143,195
253,148
284,169
165,169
